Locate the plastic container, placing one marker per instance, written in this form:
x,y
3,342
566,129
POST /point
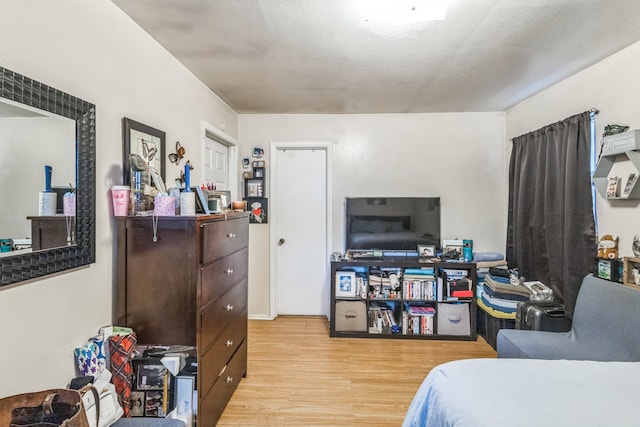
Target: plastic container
x,y
69,204
6,245
164,206
467,250
120,195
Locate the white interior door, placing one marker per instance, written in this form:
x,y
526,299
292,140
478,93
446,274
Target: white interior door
x,y
300,233
215,162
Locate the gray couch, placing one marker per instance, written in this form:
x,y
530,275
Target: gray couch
x,y
605,327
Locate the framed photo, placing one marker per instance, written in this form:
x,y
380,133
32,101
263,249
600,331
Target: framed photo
x,y
224,196
247,175
258,208
258,172
136,402
346,284
145,141
254,187
151,377
157,179
426,250
452,249
258,163
202,202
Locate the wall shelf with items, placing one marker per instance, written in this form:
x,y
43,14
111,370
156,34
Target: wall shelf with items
x,y
403,298
255,192
616,148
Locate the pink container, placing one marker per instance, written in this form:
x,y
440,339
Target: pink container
x,y
164,206
69,204
120,195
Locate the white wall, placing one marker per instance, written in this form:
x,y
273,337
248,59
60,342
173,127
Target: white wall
x,y
91,50
458,157
612,86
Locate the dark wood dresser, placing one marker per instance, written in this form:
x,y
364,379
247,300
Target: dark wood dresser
x,y
52,231
189,287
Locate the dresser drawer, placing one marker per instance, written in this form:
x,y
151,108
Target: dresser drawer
x,y
217,315
212,405
219,276
214,360
221,238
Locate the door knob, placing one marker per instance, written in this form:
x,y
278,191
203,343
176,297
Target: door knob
x,y
280,242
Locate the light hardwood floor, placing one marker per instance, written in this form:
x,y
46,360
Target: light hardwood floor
x,y
298,376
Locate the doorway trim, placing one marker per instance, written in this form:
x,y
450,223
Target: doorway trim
x,y
273,231
212,132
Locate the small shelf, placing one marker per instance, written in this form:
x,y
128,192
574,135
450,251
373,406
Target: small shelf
x,y
615,147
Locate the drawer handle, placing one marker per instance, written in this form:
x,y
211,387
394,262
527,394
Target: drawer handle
x,y
229,380
231,235
229,271
229,307
229,343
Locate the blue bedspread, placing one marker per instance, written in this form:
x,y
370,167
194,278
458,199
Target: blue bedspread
x,y
526,392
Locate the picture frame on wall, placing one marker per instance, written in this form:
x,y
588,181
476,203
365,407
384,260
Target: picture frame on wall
x,y
258,208
346,284
145,141
258,172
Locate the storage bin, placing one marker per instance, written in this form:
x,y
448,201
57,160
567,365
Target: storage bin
x,y
351,316
453,319
488,326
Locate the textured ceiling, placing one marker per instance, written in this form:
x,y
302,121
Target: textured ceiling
x,y
324,56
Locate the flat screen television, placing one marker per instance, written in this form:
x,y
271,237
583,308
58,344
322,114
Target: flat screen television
x,y
392,223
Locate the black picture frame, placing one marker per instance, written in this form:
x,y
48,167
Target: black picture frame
x,y
426,251
146,141
258,172
259,210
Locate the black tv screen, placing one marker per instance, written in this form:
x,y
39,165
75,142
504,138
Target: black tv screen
x,y
392,223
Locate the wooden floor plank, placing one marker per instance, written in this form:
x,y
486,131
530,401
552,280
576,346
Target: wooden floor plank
x,y
298,376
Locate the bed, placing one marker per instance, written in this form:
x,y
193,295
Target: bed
x,y
384,232
527,392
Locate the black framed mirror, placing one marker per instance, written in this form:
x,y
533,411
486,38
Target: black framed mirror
x,y
38,263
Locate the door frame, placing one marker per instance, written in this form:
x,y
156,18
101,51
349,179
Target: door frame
x,y
273,194
212,132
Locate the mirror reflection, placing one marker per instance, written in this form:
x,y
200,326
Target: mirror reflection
x,y
32,139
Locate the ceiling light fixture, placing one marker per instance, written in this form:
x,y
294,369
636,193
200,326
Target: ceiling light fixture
x,y
403,11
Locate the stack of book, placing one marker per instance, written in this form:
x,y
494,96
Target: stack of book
x,y
381,319
419,284
418,319
458,286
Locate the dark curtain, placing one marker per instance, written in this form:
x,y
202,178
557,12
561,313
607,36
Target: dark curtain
x,y
551,230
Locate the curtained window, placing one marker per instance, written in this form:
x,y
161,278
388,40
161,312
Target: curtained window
x,y
551,229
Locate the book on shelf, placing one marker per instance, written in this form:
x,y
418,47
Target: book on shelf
x,y
631,181
418,320
458,287
612,188
419,289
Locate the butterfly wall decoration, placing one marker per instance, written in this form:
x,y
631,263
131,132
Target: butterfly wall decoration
x,y
178,155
